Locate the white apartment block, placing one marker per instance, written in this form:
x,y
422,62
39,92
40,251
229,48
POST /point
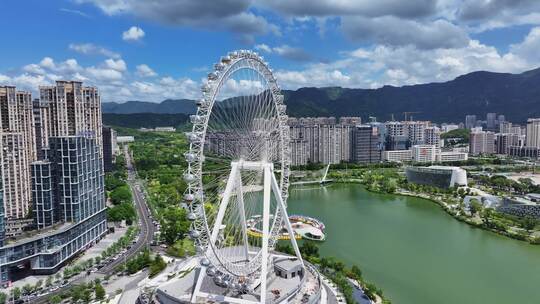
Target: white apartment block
x,y
451,156
69,108
425,153
397,156
533,132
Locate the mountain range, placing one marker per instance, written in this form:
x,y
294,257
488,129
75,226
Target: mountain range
x,y
517,96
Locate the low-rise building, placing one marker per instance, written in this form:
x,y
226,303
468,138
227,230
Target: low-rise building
x,y
437,176
397,156
519,151
124,139
451,156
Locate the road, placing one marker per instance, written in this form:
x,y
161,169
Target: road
x,y
146,233
147,228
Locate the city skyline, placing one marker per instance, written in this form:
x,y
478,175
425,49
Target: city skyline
x,y
134,51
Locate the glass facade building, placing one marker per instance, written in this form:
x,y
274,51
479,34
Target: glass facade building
x,y
69,207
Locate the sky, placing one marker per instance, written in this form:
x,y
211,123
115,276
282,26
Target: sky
x,y
159,49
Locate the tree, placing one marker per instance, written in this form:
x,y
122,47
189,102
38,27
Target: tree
x,y
475,206
27,289
3,298
309,249
174,224
120,195
100,291
528,223
157,265
356,273
16,293
55,299
48,281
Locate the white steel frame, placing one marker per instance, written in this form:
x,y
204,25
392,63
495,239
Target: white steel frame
x,y
270,186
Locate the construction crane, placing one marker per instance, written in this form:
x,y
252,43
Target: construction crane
x,y
409,114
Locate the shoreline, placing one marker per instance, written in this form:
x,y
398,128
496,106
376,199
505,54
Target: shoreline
x,y
447,210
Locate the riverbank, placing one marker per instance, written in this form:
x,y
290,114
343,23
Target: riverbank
x,y
415,252
481,222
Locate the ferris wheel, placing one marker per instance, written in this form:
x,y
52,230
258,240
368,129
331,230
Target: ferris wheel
x,y
238,172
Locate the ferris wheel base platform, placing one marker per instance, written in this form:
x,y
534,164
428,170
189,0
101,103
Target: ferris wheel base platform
x,y
282,286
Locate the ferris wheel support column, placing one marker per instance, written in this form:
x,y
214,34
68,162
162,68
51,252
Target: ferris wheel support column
x,y
242,211
288,226
265,230
224,202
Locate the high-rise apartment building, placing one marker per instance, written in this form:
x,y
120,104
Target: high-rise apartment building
x,y
414,131
17,135
2,219
470,121
432,136
38,127
504,140
533,132
366,145
71,109
320,140
481,142
491,121
109,148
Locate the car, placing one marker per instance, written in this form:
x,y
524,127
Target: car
x,y
54,288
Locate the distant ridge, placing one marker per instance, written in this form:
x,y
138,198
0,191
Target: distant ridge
x,y
517,96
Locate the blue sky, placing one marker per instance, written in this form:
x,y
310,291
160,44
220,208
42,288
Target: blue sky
x,y
153,50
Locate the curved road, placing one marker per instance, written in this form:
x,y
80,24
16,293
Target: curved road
x,y
147,228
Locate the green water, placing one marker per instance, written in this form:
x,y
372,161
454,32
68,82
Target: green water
x,y
417,253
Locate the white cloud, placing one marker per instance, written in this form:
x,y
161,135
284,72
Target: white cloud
x,y
100,74
117,65
76,12
144,70
47,62
91,49
529,48
394,31
34,69
134,33
4,79
286,51
264,48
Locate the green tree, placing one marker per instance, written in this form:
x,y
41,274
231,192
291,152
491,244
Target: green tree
x,y
16,293
48,281
309,249
356,273
27,289
528,223
100,291
157,265
475,206
120,195
3,298
55,299
174,224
